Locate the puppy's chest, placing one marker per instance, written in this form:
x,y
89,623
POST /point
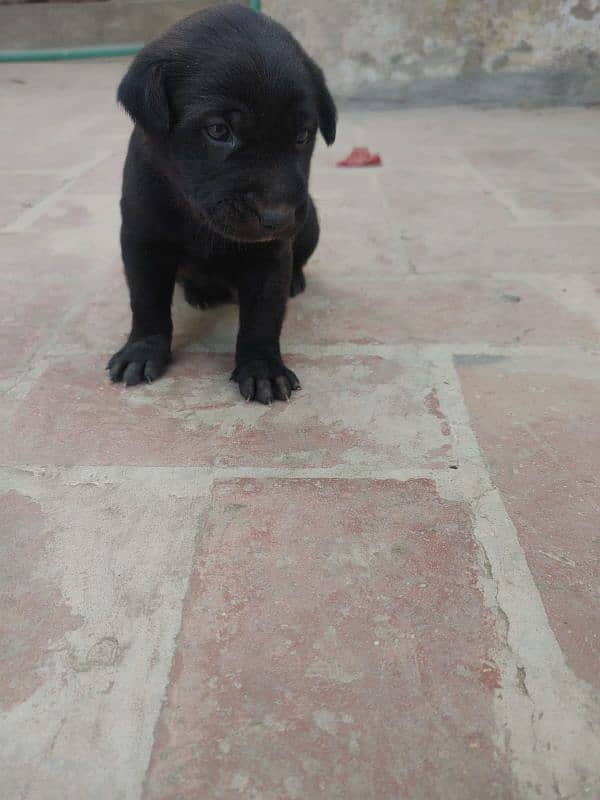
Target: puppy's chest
x,y
206,254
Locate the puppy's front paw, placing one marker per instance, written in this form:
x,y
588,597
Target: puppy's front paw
x,y
143,360
265,381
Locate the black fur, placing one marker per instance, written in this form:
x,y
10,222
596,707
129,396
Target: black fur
x,y
215,187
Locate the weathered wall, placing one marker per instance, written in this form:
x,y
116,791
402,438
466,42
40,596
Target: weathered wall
x,y
427,51
530,52
69,24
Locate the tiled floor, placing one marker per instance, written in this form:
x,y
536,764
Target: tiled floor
x,y
385,590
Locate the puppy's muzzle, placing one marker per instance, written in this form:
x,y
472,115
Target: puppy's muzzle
x,y
277,218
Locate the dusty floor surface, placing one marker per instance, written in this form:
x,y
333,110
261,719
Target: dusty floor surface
x,y
388,588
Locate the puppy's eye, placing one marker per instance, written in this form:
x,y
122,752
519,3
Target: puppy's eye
x,y
303,136
218,131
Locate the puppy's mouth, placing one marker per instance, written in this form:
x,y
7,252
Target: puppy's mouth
x,y
238,222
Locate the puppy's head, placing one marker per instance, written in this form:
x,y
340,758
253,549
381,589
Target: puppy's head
x,y
232,104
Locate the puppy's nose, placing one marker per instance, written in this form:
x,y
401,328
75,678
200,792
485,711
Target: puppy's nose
x,y
277,219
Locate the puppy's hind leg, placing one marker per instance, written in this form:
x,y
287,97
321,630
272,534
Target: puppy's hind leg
x,y
205,292
305,244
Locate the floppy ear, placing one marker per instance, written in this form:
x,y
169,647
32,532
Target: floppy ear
x,y
325,105
143,94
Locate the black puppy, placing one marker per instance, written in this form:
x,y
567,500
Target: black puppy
x,y
226,107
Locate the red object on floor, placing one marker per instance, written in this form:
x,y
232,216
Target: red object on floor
x,y
361,157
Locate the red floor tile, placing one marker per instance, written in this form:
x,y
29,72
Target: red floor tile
x,y
39,288
427,309
546,248
334,644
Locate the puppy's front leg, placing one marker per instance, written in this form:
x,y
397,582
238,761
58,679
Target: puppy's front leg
x,y
150,270
263,288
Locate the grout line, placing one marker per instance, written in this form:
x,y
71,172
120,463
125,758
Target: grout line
x,y
396,229
504,198
45,172
202,474
581,353
549,728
